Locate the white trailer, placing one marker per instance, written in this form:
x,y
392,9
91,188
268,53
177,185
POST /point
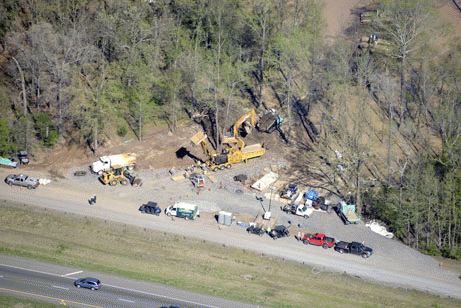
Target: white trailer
x,y
105,163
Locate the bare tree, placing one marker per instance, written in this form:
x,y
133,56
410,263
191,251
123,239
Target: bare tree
x,y
408,25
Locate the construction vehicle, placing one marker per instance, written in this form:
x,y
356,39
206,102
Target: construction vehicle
x,y
105,163
347,213
267,122
118,174
229,156
233,135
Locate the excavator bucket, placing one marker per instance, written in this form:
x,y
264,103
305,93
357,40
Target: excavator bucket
x,y
198,138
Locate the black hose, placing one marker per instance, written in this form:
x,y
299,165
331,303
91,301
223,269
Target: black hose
x,y
457,5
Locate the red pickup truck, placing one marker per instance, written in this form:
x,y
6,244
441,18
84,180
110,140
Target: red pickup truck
x,y
318,239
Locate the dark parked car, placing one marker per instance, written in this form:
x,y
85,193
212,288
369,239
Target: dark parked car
x,y
89,283
255,230
278,232
22,180
241,178
289,192
150,208
21,156
354,248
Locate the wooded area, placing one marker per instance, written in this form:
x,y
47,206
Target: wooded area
x,y
372,120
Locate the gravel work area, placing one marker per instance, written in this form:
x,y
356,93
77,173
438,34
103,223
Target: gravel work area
x,y
392,262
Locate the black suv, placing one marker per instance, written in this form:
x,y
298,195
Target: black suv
x,y
278,232
255,230
150,208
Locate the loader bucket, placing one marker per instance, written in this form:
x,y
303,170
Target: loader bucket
x,y
137,183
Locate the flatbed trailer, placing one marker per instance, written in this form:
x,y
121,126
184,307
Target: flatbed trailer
x,y
347,213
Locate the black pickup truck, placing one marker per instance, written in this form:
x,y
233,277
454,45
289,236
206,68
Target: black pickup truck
x,y
354,248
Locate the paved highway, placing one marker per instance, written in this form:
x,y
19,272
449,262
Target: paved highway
x,y
20,277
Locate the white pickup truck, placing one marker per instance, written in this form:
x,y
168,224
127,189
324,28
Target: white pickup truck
x,y
22,180
298,209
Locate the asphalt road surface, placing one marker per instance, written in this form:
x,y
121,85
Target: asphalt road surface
x,y
29,279
392,262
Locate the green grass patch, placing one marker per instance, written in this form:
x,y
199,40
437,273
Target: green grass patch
x,y
13,302
190,264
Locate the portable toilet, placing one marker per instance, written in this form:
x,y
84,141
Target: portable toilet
x,y
225,218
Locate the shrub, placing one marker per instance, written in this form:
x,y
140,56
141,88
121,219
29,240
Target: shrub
x,y
122,131
6,146
432,250
50,141
454,253
45,129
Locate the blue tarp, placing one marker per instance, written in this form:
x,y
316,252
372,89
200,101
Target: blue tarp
x,y
311,195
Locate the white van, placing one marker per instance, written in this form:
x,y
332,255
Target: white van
x,y
183,210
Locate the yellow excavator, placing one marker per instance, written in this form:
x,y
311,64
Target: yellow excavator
x,y
267,122
233,137
230,156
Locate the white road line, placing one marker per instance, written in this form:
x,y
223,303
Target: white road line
x,y
31,270
126,300
70,274
59,287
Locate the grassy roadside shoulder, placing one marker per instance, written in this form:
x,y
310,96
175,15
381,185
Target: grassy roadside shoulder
x,y
190,264
12,302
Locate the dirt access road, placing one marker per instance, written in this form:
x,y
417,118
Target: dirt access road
x,y
392,262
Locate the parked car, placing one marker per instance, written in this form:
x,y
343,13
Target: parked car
x,y
8,162
22,156
255,230
22,180
150,208
298,209
354,248
241,178
278,232
89,283
318,239
197,180
289,192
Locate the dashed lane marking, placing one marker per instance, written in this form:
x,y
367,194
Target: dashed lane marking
x,y
74,273
126,300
